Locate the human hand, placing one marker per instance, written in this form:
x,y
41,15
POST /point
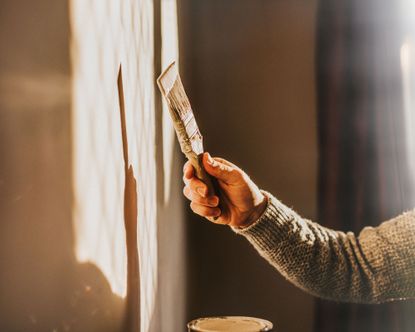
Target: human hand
x,y
239,202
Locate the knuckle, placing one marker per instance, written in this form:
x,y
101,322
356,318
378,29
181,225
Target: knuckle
x,y
186,192
238,172
193,207
191,182
194,184
223,167
186,165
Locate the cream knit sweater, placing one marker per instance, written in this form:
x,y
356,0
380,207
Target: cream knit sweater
x,y
376,266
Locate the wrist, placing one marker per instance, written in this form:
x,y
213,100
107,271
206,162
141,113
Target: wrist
x,y
257,212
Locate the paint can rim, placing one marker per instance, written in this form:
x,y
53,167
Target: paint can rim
x,y
262,324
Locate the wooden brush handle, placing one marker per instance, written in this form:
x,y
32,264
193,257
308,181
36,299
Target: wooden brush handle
x,y
201,174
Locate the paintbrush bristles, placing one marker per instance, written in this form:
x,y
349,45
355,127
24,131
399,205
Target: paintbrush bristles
x,y
167,78
178,98
184,122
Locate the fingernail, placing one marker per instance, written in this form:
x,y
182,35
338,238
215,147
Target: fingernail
x,y
201,191
211,161
217,217
212,201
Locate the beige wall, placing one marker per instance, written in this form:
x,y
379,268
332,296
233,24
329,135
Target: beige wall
x,y
62,233
249,69
229,49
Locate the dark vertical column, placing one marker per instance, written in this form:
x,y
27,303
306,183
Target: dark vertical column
x,y
363,175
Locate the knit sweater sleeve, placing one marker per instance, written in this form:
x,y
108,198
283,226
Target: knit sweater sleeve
x,y
376,266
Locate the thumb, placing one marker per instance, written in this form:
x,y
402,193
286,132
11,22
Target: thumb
x,y
221,169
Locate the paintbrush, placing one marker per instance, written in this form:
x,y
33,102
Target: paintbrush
x,y
184,122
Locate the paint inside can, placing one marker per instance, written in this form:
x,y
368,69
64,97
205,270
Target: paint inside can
x,y
230,324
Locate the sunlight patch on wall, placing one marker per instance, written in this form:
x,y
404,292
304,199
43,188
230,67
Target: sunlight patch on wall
x,y
106,34
170,53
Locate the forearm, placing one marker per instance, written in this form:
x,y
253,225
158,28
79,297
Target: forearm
x,y
323,262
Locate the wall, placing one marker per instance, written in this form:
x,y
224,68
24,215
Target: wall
x,y
249,69
91,239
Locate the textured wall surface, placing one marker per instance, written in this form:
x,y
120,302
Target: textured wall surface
x,y
107,36
89,242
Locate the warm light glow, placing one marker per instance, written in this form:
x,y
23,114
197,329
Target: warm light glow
x,y
170,46
405,56
407,66
105,34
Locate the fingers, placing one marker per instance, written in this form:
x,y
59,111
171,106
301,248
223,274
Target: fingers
x,y
188,170
212,201
205,211
192,182
224,161
222,169
196,191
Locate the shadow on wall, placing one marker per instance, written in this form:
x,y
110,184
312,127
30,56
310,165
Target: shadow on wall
x,y
42,286
132,317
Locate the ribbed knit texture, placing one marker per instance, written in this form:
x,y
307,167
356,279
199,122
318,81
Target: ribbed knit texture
x,y
374,267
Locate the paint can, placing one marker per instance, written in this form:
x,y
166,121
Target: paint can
x,y
230,324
